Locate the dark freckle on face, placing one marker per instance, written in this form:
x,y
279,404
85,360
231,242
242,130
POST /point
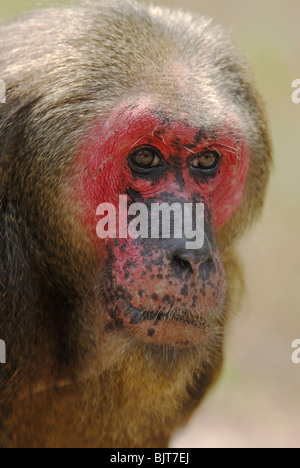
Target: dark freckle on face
x,y
147,252
205,271
144,273
184,290
154,297
159,133
191,146
151,332
159,261
200,136
127,274
130,264
166,298
160,276
141,293
176,141
164,118
177,147
213,135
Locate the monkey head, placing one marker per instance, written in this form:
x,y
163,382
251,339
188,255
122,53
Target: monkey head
x,y
147,105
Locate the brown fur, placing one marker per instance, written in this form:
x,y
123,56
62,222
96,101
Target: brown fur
x,y
62,385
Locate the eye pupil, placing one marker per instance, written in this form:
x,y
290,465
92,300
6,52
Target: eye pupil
x,y
206,160
145,158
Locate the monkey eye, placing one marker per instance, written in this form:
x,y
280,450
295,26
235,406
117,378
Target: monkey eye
x,y
145,158
207,162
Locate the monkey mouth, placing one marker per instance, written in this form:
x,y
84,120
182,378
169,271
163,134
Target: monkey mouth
x,y
183,329
184,316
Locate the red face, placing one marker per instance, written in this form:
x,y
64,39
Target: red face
x,y
157,290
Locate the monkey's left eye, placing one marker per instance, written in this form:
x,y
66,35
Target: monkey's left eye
x,y
207,162
145,158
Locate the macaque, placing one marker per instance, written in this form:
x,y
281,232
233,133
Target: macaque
x,y
114,341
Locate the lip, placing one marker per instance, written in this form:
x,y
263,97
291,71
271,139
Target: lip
x,y
182,330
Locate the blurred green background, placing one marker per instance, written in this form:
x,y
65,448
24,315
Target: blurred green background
x,y
257,401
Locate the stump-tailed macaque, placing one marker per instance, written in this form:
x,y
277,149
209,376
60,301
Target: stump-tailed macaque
x,y
113,340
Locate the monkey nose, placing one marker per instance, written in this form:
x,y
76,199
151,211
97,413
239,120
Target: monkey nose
x,y
188,260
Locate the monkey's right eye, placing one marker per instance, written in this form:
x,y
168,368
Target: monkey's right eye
x,y
207,162
145,158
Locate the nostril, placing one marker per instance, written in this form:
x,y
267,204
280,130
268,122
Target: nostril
x,y
178,262
191,261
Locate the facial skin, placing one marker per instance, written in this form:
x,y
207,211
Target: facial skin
x,y
156,290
